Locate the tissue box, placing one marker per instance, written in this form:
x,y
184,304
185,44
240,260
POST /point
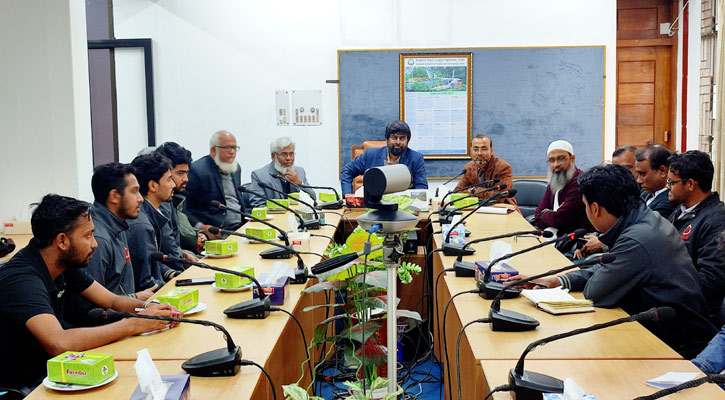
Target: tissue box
x,y
327,197
458,236
259,212
180,388
277,291
299,241
261,233
560,396
468,202
80,368
501,271
354,202
225,280
311,215
221,247
271,207
294,197
182,299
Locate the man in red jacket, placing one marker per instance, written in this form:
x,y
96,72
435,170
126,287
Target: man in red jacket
x,y
561,209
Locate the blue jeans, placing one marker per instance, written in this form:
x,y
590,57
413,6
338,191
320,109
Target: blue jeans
x,y
711,360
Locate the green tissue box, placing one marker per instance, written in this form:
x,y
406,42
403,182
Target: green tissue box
x,y
327,197
468,202
183,299
294,197
223,280
272,207
80,368
259,212
261,233
221,247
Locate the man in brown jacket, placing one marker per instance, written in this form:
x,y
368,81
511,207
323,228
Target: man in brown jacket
x,y
486,166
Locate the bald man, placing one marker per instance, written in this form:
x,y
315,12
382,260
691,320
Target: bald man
x,y
216,176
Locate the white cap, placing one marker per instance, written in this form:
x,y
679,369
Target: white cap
x,y
560,145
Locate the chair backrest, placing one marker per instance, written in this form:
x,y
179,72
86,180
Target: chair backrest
x,y
529,193
357,151
246,202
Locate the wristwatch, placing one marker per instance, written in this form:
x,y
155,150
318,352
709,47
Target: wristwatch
x,y
149,301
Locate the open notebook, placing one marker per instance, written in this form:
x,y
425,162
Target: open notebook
x,y
557,301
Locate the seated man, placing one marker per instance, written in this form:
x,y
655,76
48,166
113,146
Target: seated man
x,y
699,219
397,134
651,269
624,156
215,177
145,233
282,166
485,166
561,209
34,288
651,168
187,236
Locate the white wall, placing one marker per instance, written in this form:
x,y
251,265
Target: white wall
x,y
217,63
44,103
693,78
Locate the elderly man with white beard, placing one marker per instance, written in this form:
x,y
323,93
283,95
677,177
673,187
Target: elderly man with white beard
x,y
216,176
281,174
561,210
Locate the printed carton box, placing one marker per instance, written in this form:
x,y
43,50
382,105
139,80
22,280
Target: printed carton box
x,y
182,299
225,280
221,247
80,368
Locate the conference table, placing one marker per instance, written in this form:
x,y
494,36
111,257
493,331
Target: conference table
x,y
614,363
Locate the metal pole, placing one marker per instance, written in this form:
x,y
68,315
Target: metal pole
x,y
391,255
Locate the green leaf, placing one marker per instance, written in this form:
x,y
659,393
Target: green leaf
x,y
310,308
324,285
377,279
378,383
294,392
358,334
408,314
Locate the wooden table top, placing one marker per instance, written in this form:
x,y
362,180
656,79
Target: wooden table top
x,y
605,379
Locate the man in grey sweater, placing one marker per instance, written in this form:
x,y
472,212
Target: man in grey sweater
x,y
652,267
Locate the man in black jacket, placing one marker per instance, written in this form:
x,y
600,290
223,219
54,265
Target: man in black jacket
x,y
651,168
699,219
651,269
215,177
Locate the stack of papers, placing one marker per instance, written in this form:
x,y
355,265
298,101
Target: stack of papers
x,y
671,379
557,301
495,210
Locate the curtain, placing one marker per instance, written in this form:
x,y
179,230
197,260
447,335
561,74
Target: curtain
x,y
718,130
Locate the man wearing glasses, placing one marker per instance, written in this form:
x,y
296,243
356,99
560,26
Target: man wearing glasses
x,y
485,166
699,219
561,209
281,174
216,176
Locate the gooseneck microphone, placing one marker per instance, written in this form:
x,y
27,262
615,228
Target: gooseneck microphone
x,y
511,321
251,309
467,269
451,249
489,290
273,253
312,207
532,385
451,180
273,201
448,210
300,272
220,362
330,205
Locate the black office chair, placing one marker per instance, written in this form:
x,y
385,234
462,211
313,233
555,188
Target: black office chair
x,y
529,193
246,203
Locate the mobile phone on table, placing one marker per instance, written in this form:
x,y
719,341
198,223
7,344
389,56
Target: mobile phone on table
x,y
194,281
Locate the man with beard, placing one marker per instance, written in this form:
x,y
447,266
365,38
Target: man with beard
x,y
180,235
485,166
699,219
145,234
215,177
282,165
561,209
397,135
34,288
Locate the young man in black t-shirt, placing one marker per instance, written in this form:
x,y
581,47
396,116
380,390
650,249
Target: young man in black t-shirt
x,y
34,286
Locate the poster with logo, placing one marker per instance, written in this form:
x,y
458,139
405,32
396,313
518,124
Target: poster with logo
x,y
435,101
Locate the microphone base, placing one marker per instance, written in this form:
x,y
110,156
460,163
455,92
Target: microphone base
x,y
276,253
452,249
532,385
330,205
250,309
312,224
447,218
300,276
218,362
464,269
489,290
511,321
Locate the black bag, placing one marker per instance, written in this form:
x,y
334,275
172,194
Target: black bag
x,y
6,246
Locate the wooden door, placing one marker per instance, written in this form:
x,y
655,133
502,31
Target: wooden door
x,y
645,74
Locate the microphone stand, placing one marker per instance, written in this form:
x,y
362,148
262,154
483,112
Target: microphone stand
x,y
461,265
330,205
450,180
447,216
490,290
303,223
531,385
311,224
274,253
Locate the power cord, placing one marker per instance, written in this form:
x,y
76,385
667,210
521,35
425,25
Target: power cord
x,y
445,340
435,301
458,350
304,341
502,388
269,378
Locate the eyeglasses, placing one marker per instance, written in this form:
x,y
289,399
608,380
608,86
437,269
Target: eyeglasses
x,y
559,159
228,148
670,182
286,154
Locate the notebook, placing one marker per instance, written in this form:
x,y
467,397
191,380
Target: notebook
x,y
557,301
